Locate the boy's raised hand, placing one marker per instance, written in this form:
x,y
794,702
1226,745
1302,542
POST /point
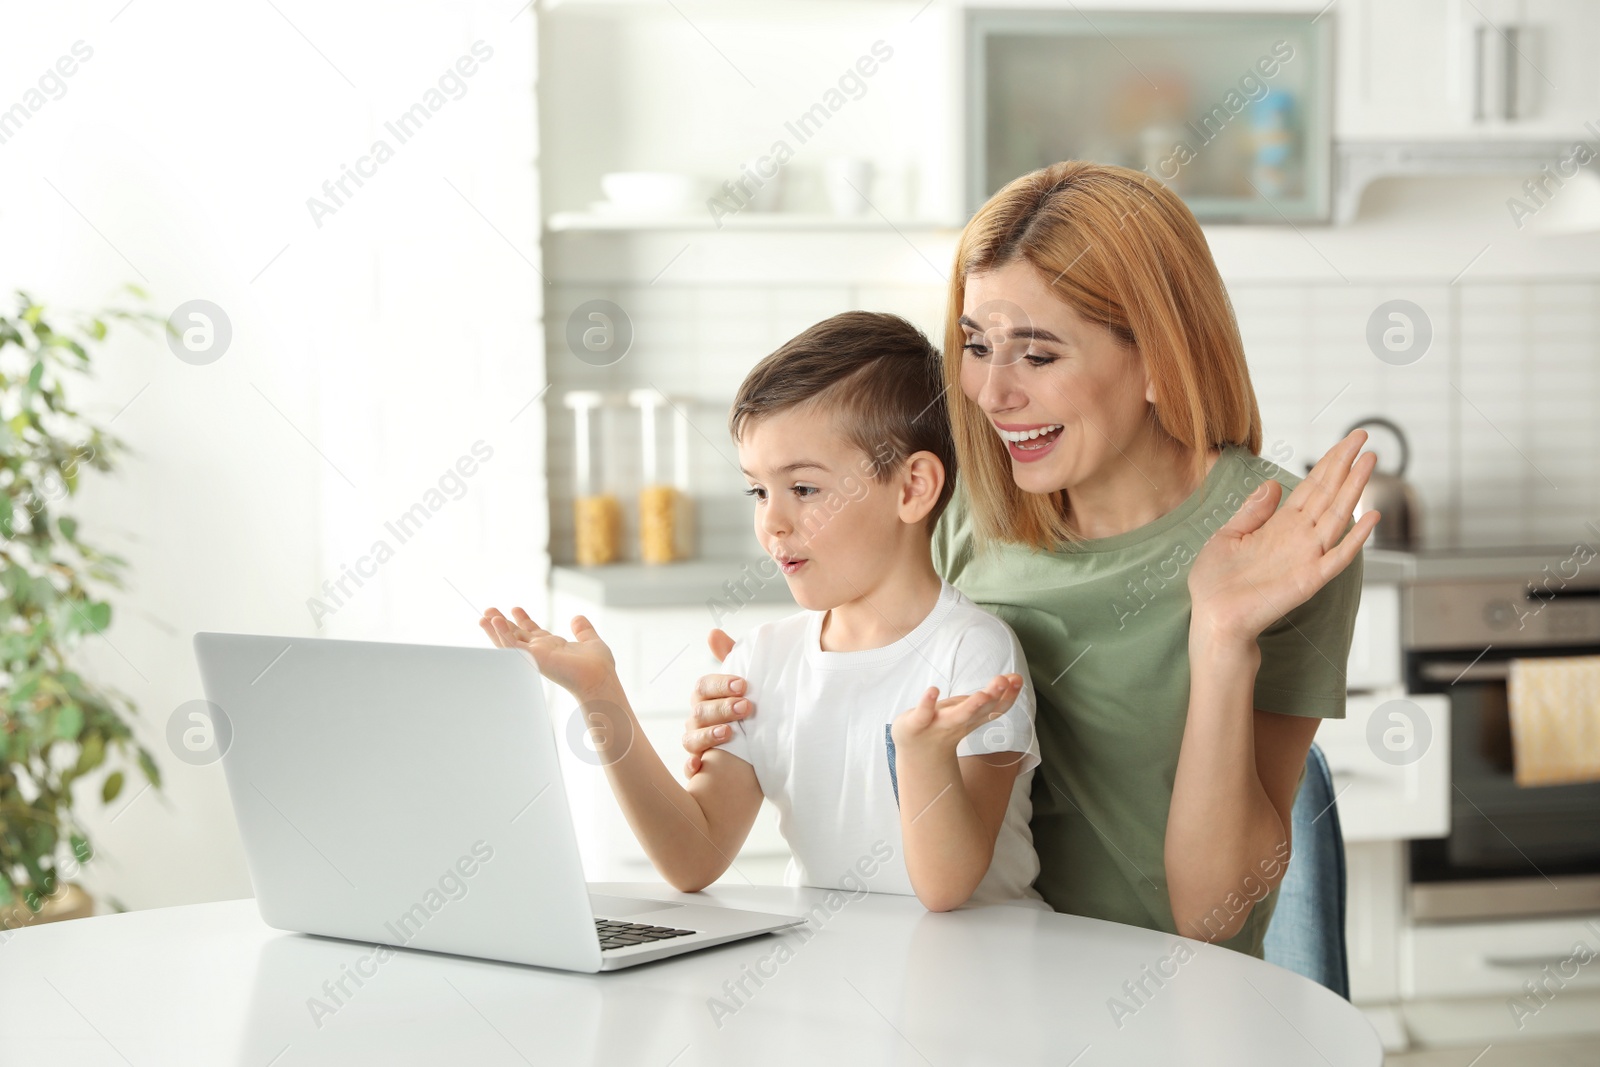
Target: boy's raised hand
x,y
943,723
582,666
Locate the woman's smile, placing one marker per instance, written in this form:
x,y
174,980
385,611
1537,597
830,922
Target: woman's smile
x,y
1028,443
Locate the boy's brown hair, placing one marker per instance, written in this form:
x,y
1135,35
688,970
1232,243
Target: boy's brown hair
x,y
877,374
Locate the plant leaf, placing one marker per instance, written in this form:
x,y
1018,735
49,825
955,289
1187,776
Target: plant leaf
x,y
69,722
112,786
148,765
80,848
99,614
92,754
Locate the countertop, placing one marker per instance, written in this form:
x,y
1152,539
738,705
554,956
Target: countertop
x,y
1523,564
1384,566
688,583
692,583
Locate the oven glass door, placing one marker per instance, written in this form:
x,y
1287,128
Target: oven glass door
x,y
1499,830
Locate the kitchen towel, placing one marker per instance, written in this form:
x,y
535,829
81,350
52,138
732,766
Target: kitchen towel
x,y
1555,719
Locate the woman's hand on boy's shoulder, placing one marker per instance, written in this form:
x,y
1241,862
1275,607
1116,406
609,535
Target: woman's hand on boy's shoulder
x,y
718,700
583,666
940,725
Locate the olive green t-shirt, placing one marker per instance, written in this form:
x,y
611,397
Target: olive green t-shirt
x,y
1105,627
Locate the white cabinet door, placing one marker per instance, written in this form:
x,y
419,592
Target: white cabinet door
x,y
1375,642
1499,958
1390,758
1374,911
1454,69
1405,69
1539,72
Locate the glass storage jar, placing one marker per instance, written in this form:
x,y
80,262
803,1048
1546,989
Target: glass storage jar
x,y
666,512
597,513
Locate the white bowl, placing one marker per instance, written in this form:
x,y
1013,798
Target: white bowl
x,y
649,192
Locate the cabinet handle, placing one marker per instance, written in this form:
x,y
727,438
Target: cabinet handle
x,y
1480,46
1524,962
1508,87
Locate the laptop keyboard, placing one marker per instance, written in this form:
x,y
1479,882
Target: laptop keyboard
x,y
615,933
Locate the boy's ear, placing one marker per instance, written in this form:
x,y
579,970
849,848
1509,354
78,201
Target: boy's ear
x,y
921,481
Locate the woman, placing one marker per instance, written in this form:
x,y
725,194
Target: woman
x,y
1186,624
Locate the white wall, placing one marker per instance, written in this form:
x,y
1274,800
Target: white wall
x,y
368,354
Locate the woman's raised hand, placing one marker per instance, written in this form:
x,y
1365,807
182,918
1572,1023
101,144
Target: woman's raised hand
x,y
582,666
718,700
1268,560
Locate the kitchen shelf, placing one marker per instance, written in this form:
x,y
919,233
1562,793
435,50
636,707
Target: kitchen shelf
x,y
1360,163
759,222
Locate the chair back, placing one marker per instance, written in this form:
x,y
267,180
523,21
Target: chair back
x,y
1306,934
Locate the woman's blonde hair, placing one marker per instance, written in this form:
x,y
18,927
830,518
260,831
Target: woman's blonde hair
x,y
1125,253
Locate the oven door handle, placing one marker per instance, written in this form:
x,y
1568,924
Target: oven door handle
x,y
1450,673
1520,963
1547,595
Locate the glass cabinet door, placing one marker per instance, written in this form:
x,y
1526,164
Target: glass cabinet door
x,y
1231,111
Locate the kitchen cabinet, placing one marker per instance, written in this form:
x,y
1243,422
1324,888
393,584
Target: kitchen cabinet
x,y
1381,803
1390,754
1374,662
1401,69
1544,50
1459,69
1229,110
1374,917
1483,959
1390,758
1383,798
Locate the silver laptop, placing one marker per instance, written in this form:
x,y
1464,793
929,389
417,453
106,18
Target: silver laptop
x,y
411,795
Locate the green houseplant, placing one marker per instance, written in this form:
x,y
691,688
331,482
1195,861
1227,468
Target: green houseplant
x,y
56,727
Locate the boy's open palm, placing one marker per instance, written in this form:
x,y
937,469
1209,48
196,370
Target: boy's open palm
x,y
945,722
582,666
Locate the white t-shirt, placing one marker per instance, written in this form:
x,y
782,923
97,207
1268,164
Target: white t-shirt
x,y
821,749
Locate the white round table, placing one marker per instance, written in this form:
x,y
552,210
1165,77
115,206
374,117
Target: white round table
x,y
878,981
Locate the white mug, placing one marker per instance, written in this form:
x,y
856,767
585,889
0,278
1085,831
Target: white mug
x,y
848,180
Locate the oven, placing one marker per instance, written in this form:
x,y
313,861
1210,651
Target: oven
x,y
1511,851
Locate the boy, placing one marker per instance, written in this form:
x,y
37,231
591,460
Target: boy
x,y
843,437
